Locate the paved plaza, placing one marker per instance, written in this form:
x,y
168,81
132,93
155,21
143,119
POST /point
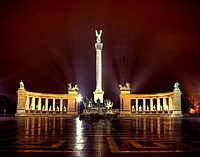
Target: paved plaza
x,y
68,136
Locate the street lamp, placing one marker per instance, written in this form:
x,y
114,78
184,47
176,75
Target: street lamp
x,y
79,99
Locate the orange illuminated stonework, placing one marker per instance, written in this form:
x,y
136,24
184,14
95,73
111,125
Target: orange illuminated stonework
x,y
142,104
31,103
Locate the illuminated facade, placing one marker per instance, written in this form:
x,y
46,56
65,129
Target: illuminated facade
x,y
31,103
158,103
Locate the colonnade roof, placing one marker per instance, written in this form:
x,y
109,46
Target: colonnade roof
x,y
50,95
152,95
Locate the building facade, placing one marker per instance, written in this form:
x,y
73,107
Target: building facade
x,y
143,104
30,103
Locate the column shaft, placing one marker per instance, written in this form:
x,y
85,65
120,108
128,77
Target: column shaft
x,y
143,105
46,104
61,104
136,104
33,103
98,70
164,103
54,104
27,103
151,104
39,103
158,104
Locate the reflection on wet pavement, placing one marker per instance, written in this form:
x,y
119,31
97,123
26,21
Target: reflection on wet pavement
x,y
62,136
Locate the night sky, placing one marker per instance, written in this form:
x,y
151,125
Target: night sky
x,y
151,44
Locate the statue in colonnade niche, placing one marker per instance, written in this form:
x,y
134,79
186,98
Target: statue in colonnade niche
x,y
64,108
57,108
140,108
133,108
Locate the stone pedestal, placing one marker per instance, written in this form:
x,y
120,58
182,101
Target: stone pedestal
x,y
98,94
176,111
21,101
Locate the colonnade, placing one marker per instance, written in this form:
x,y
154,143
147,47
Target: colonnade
x,y
151,104
34,102
144,103
165,103
43,104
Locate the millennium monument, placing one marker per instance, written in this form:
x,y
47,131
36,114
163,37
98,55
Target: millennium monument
x,y
98,93
132,105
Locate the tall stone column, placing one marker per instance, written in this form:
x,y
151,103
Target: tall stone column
x,y
177,112
98,93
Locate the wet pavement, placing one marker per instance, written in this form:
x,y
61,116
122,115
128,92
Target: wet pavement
x,y
65,136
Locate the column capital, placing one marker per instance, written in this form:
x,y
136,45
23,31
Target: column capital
x,y
98,46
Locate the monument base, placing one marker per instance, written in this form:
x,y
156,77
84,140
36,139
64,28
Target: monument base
x,y
20,112
177,113
98,95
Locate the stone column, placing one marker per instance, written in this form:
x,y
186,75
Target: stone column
x,y
46,104
33,103
136,104
164,103
151,104
39,103
143,105
98,93
54,104
158,104
170,103
27,107
61,104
